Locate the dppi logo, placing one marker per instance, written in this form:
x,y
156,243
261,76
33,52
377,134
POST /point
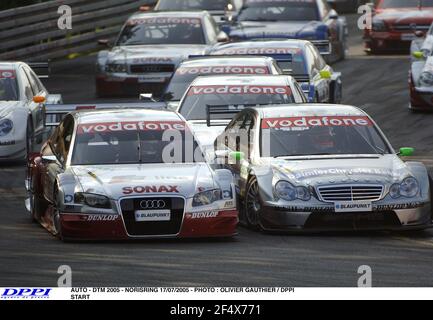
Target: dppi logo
x,y
26,293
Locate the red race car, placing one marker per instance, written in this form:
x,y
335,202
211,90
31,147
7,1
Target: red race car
x,y
396,23
113,175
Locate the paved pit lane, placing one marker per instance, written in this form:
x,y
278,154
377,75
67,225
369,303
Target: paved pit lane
x,y
29,256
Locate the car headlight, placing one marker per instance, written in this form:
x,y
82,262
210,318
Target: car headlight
x,y
426,78
287,191
378,25
206,197
409,188
93,200
6,127
116,68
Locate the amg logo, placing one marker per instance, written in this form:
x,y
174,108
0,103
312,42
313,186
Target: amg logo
x,y
204,215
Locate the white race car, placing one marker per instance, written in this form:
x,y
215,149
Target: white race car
x,y
22,109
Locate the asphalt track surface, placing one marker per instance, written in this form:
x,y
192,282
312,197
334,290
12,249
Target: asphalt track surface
x,y
29,256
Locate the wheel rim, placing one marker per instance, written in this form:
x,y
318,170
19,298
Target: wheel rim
x,y
253,205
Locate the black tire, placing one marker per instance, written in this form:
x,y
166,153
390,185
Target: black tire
x,y
37,205
56,218
430,178
29,138
253,205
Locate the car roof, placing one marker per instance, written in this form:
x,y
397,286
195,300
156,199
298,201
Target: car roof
x,y
124,115
270,80
227,61
305,110
169,14
263,43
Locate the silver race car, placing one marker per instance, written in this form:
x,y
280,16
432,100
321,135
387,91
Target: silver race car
x,y
211,102
190,69
116,174
322,168
22,109
149,49
421,72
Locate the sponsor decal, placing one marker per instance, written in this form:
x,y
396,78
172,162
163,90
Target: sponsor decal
x,y
402,206
7,143
306,122
150,189
203,215
258,51
131,126
337,171
7,74
101,217
239,89
353,207
138,179
164,21
26,293
151,60
306,208
229,204
222,70
155,215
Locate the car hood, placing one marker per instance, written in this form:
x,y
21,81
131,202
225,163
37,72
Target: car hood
x,y
385,169
8,107
406,16
160,54
284,29
116,181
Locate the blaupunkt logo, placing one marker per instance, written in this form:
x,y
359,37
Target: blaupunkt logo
x,y
26,293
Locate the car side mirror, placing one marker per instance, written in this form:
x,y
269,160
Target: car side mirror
x,y
38,99
104,42
148,97
407,152
325,74
222,37
49,159
333,15
418,54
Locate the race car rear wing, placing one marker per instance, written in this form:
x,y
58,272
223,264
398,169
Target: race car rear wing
x,y
42,69
224,109
55,113
324,46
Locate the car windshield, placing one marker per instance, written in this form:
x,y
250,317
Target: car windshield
x,y
8,86
147,31
236,97
314,135
184,76
289,60
290,10
187,5
405,3
135,143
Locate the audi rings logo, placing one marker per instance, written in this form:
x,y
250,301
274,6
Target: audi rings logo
x,y
152,204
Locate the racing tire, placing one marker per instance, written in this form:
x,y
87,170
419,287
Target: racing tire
x,y
253,205
430,179
29,138
56,218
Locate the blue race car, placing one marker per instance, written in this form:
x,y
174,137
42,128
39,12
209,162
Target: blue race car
x,y
312,20
298,58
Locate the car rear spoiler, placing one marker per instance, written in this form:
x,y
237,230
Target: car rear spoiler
x,y
224,110
55,113
42,69
324,46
